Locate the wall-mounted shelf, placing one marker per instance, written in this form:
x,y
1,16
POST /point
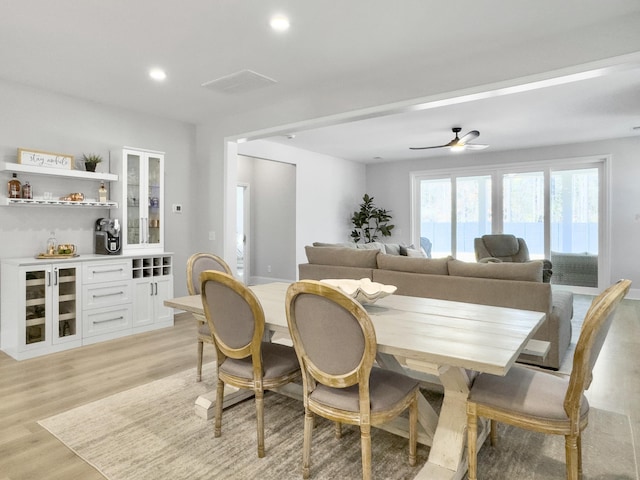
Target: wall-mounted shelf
x,y
58,172
66,203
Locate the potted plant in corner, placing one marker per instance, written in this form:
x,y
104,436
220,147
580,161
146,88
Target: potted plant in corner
x,y
370,221
90,161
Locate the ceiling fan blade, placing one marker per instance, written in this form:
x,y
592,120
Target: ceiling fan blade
x,y
475,146
473,134
427,148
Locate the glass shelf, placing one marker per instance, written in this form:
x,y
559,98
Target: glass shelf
x,y
67,203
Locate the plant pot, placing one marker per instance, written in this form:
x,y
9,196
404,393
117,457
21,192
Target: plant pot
x,y
90,167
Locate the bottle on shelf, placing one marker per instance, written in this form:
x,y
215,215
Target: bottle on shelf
x,y
102,193
14,187
26,191
52,244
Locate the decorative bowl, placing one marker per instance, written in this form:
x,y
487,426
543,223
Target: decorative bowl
x,y
364,290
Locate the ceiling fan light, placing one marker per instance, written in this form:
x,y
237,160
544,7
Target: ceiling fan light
x,y
458,148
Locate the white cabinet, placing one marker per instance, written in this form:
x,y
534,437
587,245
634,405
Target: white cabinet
x,y
53,305
108,303
152,284
141,196
40,309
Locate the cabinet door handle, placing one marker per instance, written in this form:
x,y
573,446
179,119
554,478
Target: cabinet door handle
x,y
151,292
48,279
108,294
95,322
107,271
55,276
156,284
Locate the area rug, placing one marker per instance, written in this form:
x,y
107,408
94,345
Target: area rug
x,y
151,432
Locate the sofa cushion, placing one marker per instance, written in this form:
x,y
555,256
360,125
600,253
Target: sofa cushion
x,y
392,248
324,244
528,271
371,246
435,266
341,256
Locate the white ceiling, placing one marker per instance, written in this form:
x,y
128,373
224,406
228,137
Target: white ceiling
x,y
339,55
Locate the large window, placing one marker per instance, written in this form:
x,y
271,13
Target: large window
x,y
555,207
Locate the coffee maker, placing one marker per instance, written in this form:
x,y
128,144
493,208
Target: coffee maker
x,y
107,236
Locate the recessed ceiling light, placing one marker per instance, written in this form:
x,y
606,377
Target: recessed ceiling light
x,y
157,74
279,23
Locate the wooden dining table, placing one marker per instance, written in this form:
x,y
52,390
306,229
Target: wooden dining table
x,y
437,341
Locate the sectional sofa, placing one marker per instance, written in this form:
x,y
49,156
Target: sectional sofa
x,y
514,285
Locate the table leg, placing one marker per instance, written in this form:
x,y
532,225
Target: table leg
x,y
205,406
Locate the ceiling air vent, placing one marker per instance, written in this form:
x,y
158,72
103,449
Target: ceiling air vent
x,y
240,82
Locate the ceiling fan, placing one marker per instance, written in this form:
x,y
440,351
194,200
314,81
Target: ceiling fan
x,y
459,144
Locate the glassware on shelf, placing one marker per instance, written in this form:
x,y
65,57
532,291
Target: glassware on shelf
x,y
14,187
26,191
102,193
52,244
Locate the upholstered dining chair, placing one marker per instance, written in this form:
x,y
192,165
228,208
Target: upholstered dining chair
x,y
540,401
336,346
197,263
504,247
236,321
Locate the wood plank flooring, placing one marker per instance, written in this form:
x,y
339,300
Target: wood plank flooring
x,y
38,388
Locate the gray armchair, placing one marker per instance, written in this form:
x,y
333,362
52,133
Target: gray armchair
x,y
507,248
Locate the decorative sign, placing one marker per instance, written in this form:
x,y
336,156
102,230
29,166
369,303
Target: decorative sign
x,y
45,159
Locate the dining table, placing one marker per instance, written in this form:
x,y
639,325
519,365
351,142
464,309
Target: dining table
x,y
439,342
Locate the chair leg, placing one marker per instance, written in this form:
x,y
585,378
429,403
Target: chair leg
x,y
199,365
260,418
338,429
472,439
413,430
580,455
493,433
306,445
219,399
365,444
571,452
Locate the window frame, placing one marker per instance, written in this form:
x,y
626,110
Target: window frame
x,y
497,171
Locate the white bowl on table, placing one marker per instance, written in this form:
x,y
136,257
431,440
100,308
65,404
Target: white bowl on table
x,y
364,290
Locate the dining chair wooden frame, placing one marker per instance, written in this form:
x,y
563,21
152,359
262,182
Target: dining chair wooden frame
x,y
570,422
236,321
198,262
313,374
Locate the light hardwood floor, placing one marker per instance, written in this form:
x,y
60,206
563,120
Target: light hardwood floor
x,y
35,389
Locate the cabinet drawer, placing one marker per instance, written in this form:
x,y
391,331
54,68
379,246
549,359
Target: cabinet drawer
x,y
107,271
106,320
106,294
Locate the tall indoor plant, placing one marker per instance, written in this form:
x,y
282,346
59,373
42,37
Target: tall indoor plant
x,y
370,221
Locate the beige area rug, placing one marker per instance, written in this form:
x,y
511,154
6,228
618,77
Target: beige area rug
x,y
151,432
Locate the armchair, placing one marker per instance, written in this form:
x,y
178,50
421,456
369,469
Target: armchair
x,y
507,248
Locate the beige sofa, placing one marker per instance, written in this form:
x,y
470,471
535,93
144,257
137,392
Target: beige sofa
x,y
515,285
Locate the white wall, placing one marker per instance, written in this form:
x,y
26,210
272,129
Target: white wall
x,y
390,184
41,120
273,218
328,190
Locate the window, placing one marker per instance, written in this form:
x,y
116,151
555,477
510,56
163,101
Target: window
x,y
556,207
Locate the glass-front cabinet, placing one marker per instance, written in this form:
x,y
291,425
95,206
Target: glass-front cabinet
x,y
47,306
142,197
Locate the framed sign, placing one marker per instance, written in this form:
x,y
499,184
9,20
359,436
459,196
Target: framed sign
x,y
38,158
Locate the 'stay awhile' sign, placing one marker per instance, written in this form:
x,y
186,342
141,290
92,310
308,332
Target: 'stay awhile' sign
x,y
38,158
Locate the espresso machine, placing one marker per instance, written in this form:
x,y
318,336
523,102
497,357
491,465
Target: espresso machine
x,y
107,236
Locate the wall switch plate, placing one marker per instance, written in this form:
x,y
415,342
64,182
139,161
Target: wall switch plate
x,y
176,208
212,235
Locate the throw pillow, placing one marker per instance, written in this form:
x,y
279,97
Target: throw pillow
x,y
371,246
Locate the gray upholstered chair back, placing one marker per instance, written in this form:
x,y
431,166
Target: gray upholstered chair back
x,y
198,263
235,316
332,334
592,336
505,247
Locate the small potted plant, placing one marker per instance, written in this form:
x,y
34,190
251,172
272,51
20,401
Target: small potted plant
x,y
90,161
